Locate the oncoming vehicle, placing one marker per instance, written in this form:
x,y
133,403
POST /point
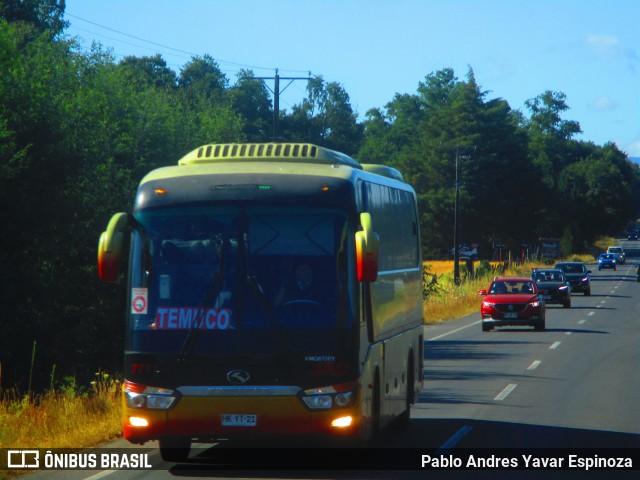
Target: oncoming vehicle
x,y
578,276
553,286
212,349
606,260
512,301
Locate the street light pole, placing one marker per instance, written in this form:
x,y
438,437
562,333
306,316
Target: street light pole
x,y
456,217
456,250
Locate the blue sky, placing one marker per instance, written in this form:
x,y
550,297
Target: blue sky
x,y
587,49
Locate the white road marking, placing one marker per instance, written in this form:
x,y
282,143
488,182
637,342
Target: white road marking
x,y
534,365
591,313
102,474
554,345
580,322
454,440
507,390
453,331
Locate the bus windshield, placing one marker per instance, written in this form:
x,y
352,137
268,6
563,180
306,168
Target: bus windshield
x,y
238,281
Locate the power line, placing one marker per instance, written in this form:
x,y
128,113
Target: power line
x,y
120,41
124,55
191,54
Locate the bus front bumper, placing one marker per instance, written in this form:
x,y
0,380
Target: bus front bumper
x,y
210,418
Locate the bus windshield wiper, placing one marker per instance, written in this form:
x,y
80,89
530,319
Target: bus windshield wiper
x,y
213,290
194,331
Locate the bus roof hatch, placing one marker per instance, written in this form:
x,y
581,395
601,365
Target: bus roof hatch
x,y
269,152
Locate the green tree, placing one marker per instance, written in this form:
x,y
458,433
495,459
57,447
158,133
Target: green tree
x,y
325,117
36,79
77,133
202,79
149,71
587,190
595,192
43,15
250,99
549,134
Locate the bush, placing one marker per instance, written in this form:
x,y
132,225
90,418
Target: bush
x,y
430,285
483,269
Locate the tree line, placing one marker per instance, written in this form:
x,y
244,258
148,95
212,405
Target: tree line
x,y
78,130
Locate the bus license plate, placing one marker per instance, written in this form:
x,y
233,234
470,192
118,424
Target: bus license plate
x,y
238,420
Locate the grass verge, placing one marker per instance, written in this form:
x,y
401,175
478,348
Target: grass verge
x,y
68,418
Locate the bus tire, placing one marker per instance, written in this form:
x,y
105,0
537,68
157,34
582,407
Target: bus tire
x,y
175,449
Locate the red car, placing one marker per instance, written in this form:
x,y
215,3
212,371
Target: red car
x,y
512,301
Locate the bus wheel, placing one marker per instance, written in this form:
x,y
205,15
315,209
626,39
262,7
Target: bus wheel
x,y
175,449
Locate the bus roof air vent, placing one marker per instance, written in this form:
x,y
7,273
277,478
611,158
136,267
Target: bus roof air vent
x,y
266,152
383,170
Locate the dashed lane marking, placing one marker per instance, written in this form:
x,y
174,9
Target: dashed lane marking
x,y
506,391
535,364
454,440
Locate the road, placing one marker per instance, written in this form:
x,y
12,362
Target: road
x,y
575,385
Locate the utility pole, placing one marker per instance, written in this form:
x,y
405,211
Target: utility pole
x,y
456,215
276,97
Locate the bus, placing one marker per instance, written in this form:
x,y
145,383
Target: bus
x,y
212,350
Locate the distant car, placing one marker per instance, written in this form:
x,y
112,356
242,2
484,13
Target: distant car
x,y
606,260
578,276
512,301
621,256
632,236
553,286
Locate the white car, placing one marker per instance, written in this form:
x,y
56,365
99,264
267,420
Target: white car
x,y
619,253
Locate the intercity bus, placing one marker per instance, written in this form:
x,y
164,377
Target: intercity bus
x,y
211,352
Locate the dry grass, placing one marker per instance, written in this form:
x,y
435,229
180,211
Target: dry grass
x,y
453,301
67,419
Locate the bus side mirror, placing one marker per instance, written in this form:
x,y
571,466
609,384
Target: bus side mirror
x,y
110,247
367,245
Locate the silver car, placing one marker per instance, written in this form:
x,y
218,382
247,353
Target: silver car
x,y
619,253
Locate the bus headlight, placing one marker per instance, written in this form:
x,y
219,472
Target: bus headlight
x,y
336,396
344,399
141,396
135,400
317,402
159,402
